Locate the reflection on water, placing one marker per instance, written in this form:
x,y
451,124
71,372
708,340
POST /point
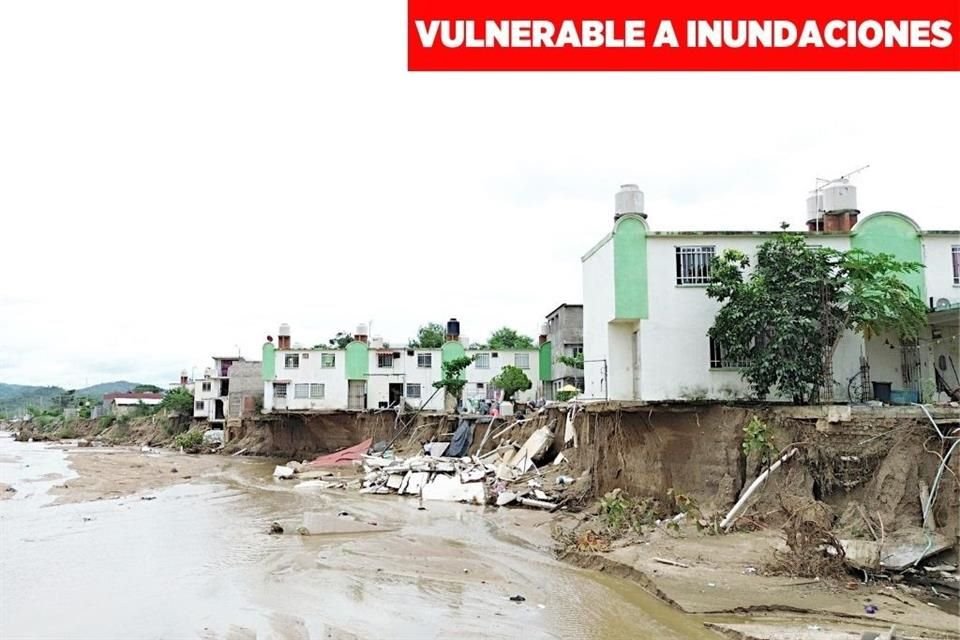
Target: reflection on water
x,y
197,562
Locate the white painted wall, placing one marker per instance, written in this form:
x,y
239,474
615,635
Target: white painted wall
x,y
207,397
598,311
405,371
475,374
309,371
939,269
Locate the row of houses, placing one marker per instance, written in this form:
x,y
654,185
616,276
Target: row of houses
x,y
641,332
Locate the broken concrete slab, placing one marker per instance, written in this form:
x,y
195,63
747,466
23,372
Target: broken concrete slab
x,y
901,550
282,473
450,489
533,449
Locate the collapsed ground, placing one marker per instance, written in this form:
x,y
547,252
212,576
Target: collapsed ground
x,y
857,475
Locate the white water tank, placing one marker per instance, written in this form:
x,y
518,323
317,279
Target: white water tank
x,y
814,205
839,196
376,342
284,330
628,200
361,329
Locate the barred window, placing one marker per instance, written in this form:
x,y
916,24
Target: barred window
x,y
482,361
385,360
291,361
719,359
424,361
198,405
328,360
955,250
316,391
280,390
413,390
521,360
693,264
301,390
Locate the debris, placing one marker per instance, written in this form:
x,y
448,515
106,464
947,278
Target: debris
x,y
731,516
10,490
506,497
283,473
436,449
451,489
570,432
146,497
275,528
674,563
213,436
533,449
560,458
517,598
540,495
343,457
173,470
293,464
462,439
565,480
900,550
870,608
240,453
538,503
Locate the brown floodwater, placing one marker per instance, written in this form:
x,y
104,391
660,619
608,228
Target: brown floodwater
x,y
196,562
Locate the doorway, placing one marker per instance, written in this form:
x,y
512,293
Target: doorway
x,y
357,395
395,392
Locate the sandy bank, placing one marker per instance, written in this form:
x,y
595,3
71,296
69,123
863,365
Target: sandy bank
x,y
117,472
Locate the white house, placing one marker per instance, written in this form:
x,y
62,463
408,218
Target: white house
x,y
646,313
210,393
370,374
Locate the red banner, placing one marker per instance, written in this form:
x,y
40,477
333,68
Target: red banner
x,y
659,35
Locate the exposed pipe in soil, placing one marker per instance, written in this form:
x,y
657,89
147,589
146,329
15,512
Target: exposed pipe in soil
x,y
731,516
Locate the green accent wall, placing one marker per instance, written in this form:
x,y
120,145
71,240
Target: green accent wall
x,y
451,350
268,362
546,361
630,268
893,233
358,361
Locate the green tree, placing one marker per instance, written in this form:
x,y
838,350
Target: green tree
x,y
453,380
429,336
339,341
178,401
507,338
511,380
572,361
782,322
147,388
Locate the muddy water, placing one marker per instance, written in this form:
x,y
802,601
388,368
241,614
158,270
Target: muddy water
x,y
195,562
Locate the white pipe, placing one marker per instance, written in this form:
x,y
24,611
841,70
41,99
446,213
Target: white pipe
x,y
731,516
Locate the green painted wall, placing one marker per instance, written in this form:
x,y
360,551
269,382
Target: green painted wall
x,y
358,361
630,269
546,361
893,233
451,350
268,362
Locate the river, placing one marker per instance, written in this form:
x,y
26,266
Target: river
x,y
195,561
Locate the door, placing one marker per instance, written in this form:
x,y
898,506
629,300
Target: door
x,y
356,395
395,393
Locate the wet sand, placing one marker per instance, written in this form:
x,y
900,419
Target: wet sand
x,y
121,471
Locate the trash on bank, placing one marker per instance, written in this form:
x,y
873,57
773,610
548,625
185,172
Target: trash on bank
x,y
282,473
346,456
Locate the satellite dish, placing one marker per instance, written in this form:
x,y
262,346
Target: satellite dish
x,y
943,303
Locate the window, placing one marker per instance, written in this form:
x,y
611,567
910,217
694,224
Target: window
x,y
479,386
385,360
424,361
955,251
482,361
280,390
205,386
328,360
301,390
413,390
291,361
576,350
198,405
521,360
316,391
693,265
719,360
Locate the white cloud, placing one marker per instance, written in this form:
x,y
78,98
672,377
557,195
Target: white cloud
x,y
177,179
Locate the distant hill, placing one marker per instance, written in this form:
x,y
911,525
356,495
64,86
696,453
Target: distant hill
x,y
19,396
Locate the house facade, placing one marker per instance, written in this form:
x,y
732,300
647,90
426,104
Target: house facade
x,y
646,312
370,374
211,393
561,336
123,403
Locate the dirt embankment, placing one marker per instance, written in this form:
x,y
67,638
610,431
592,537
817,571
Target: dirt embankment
x,y
153,430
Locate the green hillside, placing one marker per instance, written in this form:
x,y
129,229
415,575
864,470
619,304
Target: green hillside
x,y
17,397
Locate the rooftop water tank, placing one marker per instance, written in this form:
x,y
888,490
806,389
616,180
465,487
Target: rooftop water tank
x,y
814,205
361,329
628,200
839,196
453,327
284,330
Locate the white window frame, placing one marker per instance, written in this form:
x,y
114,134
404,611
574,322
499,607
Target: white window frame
x,y
328,360
521,360
317,391
280,389
301,391
424,358
693,265
381,358
481,361
410,387
291,361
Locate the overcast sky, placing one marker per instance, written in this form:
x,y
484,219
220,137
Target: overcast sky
x,y
178,178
